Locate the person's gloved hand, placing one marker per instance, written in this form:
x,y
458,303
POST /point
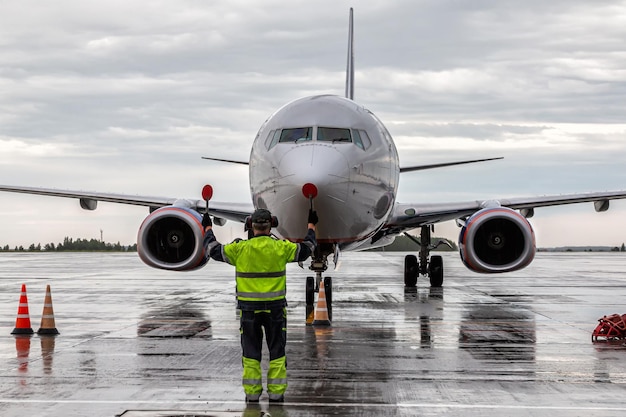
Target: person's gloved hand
x,y
313,217
206,220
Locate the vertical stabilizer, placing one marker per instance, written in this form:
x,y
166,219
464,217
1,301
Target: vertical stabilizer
x,y
350,65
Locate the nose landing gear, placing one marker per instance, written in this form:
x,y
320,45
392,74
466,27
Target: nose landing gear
x,y
319,264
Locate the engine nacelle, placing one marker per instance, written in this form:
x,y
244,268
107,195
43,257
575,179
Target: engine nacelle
x,y
497,240
171,238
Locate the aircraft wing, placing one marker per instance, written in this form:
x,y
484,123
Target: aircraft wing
x,y
410,216
88,200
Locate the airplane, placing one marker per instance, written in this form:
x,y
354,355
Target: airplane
x,y
332,154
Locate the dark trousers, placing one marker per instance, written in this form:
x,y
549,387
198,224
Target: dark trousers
x,y
253,324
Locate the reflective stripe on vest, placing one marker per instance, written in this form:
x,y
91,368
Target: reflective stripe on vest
x,y
245,287
261,288
278,274
257,296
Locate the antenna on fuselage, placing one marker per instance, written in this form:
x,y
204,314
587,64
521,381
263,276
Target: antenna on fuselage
x,y
350,64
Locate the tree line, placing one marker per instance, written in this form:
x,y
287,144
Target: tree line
x,y
78,245
402,243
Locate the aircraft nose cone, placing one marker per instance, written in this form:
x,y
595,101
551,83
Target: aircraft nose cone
x,y
317,164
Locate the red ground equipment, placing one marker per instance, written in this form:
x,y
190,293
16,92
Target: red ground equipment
x,y
611,327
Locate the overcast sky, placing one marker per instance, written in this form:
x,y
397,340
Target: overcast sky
x,y
126,96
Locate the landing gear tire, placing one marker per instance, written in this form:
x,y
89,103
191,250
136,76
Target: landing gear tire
x,y
328,289
411,270
310,299
435,271
310,290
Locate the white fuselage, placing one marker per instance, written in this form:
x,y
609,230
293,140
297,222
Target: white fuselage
x,y
342,149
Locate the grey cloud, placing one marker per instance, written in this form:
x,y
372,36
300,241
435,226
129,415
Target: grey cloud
x,y
487,131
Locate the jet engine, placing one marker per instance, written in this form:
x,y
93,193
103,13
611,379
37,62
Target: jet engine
x,y
496,240
171,238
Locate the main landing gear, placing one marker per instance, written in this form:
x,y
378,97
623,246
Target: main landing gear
x,y
319,264
433,267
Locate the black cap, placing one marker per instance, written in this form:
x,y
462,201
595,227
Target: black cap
x,y
261,216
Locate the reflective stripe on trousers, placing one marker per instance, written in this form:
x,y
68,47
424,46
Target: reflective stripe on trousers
x,y
274,322
251,380
277,376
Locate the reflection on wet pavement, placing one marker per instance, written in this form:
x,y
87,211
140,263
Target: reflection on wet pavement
x,y
175,320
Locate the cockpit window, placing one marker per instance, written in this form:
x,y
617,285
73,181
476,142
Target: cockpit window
x,y
333,134
324,134
268,140
367,142
356,136
297,134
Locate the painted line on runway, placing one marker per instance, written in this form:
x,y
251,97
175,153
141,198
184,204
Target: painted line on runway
x,y
325,405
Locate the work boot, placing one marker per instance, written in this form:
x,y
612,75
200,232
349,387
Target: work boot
x,y
277,398
252,398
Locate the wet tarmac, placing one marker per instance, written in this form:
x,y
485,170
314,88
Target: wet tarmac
x,y
139,342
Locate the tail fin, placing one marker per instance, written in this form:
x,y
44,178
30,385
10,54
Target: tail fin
x,y
350,65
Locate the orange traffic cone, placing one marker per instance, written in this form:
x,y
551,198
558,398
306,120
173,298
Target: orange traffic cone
x,y
22,324
47,326
321,309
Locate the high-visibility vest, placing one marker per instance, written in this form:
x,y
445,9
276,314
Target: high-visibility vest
x,y
260,265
